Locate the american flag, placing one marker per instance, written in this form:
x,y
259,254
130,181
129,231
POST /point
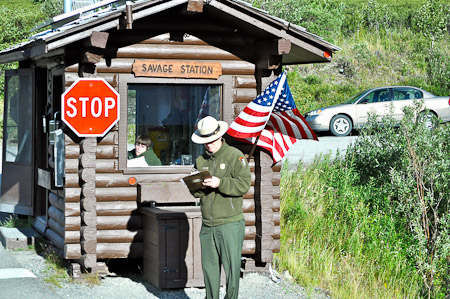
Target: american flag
x,y
204,108
273,116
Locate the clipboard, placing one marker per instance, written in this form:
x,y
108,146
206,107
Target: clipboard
x,y
195,181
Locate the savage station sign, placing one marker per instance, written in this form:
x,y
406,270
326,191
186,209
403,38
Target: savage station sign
x,y
90,107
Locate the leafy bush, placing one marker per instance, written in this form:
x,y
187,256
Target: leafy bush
x,y
409,165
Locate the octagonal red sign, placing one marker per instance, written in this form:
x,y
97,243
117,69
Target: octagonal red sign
x,y
90,107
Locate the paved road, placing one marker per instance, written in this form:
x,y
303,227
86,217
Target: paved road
x,y
306,150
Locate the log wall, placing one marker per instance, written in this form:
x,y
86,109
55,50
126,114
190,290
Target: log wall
x,y
94,179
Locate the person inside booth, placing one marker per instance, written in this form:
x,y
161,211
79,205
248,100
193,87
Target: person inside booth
x,y
142,155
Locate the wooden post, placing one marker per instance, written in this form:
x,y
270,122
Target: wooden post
x,y
88,150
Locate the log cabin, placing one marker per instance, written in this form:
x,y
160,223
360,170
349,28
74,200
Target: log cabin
x,y
169,62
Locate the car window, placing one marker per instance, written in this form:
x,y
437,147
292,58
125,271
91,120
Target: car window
x,y
406,93
379,95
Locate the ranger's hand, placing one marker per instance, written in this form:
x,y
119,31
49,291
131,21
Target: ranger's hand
x,y
212,182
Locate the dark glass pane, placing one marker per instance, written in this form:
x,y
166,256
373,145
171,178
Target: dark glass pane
x,y
18,123
168,113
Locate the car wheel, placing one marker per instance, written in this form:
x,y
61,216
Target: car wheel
x,y
428,118
341,125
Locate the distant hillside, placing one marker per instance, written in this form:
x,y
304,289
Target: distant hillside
x,y
383,43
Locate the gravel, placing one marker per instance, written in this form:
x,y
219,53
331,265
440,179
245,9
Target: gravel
x,y
125,281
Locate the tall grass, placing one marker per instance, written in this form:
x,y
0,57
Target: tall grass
x,y
331,238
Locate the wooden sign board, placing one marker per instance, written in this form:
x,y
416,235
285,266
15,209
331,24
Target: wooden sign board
x,y
177,69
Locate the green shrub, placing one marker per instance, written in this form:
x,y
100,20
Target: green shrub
x,y
409,165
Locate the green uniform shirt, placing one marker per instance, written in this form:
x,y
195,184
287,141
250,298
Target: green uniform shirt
x,y
223,204
149,155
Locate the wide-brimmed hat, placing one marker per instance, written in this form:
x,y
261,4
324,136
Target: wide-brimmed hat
x,y
208,130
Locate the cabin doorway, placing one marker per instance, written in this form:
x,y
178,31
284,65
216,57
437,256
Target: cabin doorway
x,y
18,143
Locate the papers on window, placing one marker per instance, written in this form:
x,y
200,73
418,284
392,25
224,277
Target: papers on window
x,y
137,162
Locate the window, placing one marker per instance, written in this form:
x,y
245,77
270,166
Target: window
x,y
167,114
407,93
18,124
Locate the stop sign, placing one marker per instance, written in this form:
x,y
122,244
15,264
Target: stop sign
x,y
90,107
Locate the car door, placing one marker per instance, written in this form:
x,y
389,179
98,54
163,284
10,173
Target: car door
x,y
403,97
375,102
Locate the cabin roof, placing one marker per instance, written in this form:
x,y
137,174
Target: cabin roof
x,y
103,16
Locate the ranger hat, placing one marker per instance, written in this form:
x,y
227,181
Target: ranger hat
x,y
209,129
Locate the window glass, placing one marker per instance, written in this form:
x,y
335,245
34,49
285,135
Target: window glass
x,y
407,93
161,119
18,123
379,95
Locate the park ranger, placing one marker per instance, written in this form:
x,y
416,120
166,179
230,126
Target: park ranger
x,y
223,225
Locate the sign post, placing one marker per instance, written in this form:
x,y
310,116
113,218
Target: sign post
x,y
90,107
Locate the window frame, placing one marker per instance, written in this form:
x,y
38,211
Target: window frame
x,y
124,80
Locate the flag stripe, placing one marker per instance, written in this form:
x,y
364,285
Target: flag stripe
x,y
273,117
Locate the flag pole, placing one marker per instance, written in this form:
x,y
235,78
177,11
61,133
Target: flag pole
x,y
253,148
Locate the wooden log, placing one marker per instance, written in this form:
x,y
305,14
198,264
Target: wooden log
x,y
107,151
276,206
276,246
88,189
88,246
72,237
73,223
112,138
250,232
88,145
56,227
107,166
248,206
119,222
103,151
56,201
89,218
195,6
250,194
87,174
56,214
120,236
98,39
244,95
116,208
71,166
277,167
136,249
88,232
56,239
89,204
121,180
90,57
88,261
276,218
87,161
72,251
72,180
120,250
244,82
276,179
186,52
70,78
68,140
116,194
276,233
166,192
250,219
249,247
72,151
124,65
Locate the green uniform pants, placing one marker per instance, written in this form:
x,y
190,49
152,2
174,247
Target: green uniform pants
x,y
222,245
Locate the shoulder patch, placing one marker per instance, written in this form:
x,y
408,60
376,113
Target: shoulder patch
x,y
243,161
